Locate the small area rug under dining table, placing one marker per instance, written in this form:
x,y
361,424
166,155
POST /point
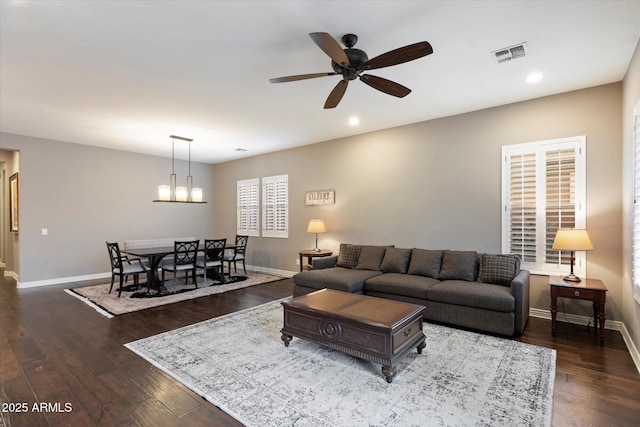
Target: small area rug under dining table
x,y
108,304
239,363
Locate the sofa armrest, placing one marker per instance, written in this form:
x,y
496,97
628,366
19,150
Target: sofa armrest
x,y
326,262
520,290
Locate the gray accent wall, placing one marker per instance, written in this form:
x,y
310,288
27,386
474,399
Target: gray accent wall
x,y
436,185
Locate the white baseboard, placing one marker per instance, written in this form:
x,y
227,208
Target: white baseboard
x,y
11,274
583,320
107,275
59,280
277,272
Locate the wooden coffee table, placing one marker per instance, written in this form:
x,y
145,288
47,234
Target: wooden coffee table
x,y
375,329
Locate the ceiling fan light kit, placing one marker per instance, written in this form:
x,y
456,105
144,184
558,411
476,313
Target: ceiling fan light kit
x,y
350,63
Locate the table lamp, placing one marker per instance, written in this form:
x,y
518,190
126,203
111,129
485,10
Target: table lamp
x,y
572,240
316,226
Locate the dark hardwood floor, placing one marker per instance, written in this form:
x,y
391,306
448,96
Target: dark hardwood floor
x,y
56,350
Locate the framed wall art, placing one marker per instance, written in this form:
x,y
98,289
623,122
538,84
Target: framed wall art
x,y
13,203
321,197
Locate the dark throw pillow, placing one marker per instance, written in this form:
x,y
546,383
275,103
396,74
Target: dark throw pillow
x,y
425,262
458,265
498,269
348,256
396,260
371,257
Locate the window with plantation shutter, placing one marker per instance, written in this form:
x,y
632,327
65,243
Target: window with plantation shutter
x,y
275,206
248,205
636,209
543,189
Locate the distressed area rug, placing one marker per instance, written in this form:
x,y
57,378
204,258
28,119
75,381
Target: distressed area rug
x,y
238,363
110,305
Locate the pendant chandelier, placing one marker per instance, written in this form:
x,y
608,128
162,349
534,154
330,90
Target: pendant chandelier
x,y
171,193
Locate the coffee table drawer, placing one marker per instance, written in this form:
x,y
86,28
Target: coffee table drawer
x,y
406,334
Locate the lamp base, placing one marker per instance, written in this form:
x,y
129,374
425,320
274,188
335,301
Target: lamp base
x,y
316,249
571,278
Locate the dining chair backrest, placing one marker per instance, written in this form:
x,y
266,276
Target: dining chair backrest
x,y
214,249
114,255
185,253
241,244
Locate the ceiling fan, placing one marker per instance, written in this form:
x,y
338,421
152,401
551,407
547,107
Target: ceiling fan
x,y
350,63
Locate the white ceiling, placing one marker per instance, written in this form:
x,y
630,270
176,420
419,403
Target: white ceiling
x,y
127,74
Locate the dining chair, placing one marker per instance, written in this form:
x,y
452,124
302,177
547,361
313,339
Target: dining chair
x,y
123,267
238,254
212,258
184,259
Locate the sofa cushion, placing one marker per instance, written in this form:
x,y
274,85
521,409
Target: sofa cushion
x,y
498,269
338,278
371,257
425,262
348,255
473,294
400,284
458,265
396,260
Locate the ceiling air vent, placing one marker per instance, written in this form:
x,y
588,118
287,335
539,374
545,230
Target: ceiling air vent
x,y
509,53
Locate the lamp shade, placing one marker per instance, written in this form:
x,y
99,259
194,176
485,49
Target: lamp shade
x,y
164,193
196,194
181,194
316,226
571,239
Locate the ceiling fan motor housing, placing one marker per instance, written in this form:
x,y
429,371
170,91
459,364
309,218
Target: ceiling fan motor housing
x,y
356,57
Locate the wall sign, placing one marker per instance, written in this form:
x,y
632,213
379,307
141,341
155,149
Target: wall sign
x,y
322,197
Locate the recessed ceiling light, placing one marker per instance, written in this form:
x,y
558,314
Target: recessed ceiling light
x,y
534,77
354,121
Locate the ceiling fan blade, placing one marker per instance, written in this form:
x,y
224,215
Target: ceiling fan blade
x,y
386,86
300,77
398,56
331,47
336,94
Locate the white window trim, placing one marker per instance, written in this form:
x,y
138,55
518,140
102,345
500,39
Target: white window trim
x,y
247,185
540,147
280,207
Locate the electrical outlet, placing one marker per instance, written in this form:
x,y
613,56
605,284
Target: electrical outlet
x,y
45,231
297,261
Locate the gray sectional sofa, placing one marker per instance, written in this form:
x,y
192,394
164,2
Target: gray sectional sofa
x,y
486,292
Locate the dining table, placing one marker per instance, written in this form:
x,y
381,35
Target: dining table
x,y
155,255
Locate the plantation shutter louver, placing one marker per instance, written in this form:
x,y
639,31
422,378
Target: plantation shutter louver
x,y
522,199
560,200
544,188
248,204
275,206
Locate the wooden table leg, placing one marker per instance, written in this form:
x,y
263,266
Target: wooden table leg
x,y
554,311
602,316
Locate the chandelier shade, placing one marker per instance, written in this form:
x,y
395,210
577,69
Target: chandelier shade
x,y
179,194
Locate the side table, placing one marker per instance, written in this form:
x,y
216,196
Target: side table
x,y
310,254
588,289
